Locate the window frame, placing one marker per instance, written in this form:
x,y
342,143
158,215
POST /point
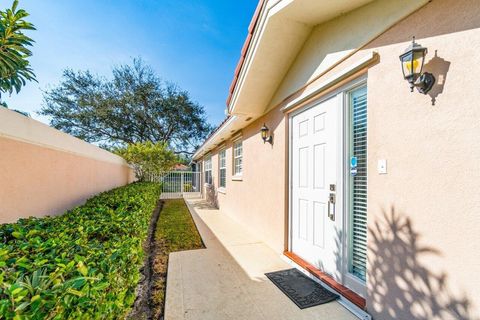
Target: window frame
x,y
207,169
235,157
222,157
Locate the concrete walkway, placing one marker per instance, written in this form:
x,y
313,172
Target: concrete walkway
x,y
226,280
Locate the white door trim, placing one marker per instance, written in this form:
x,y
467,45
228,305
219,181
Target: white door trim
x,y
334,79
347,278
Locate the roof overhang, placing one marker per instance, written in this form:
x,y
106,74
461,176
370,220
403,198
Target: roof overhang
x,y
230,127
277,33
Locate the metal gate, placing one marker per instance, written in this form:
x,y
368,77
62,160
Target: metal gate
x,y
179,184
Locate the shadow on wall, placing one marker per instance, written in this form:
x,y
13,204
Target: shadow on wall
x,y
400,287
437,18
204,205
439,68
335,274
211,195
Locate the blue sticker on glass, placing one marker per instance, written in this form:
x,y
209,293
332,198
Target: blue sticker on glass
x,y
353,162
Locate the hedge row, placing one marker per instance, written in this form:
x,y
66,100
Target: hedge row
x,y
81,265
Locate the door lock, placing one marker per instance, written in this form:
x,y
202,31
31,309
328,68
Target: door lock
x,y
331,206
331,198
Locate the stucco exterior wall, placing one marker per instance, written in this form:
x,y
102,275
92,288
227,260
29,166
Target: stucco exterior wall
x,y
258,199
425,256
424,226
45,172
335,39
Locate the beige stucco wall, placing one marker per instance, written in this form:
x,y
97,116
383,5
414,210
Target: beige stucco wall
x,y
426,259
45,172
334,39
424,238
258,199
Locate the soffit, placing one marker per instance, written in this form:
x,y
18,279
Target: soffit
x,y
280,32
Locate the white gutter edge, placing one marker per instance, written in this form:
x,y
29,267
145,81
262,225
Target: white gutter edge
x,y
264,15
200,151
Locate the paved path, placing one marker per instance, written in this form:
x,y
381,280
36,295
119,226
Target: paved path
x,y
226,280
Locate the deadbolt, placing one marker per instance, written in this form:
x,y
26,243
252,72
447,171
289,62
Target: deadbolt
x,y
332,187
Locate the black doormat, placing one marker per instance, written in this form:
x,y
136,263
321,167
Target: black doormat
x,y
304,292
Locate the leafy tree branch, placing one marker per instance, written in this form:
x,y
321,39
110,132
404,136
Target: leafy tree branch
x,y
134,106
148,158
15,68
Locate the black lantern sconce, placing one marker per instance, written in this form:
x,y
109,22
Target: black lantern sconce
x,y
265,136
412,64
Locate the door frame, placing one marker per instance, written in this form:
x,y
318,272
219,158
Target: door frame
x,y
343,190
350,280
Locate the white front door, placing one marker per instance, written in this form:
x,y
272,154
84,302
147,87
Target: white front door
x,y
315,226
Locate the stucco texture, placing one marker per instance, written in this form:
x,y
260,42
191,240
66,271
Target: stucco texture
x,y
39,181
333,40
424,240
45,172
424,227
423,220
257,200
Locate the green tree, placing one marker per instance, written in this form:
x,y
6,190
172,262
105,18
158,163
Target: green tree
x,y
148,158
15,68
134,106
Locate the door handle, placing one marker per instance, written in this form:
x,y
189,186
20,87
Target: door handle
x,y
331,205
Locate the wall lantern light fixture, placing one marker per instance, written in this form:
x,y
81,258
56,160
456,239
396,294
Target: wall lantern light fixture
x,y
265,136
412,64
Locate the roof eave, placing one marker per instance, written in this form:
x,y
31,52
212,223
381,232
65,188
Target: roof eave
x,y
276,34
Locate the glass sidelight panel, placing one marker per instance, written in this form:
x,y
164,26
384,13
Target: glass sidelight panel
x,y
358,182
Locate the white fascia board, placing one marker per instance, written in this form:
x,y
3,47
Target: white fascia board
x,y
271,8
248,59
214,139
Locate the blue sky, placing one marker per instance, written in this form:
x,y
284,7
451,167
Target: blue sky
x,y
194,43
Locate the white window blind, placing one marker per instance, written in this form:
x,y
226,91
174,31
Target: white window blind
x,y
222,165
208,170
358,229
237,158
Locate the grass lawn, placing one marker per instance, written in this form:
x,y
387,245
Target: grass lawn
x,y
175,231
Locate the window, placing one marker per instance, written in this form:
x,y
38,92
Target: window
x,y
237,158
358,182
208,170
222,169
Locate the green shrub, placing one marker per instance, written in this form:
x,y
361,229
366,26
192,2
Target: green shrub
x,y
81,265
187,187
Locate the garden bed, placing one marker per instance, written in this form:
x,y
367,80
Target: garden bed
x,y
174,231
84,264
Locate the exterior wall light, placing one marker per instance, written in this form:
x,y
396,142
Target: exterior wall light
x,y
412,64
265,136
